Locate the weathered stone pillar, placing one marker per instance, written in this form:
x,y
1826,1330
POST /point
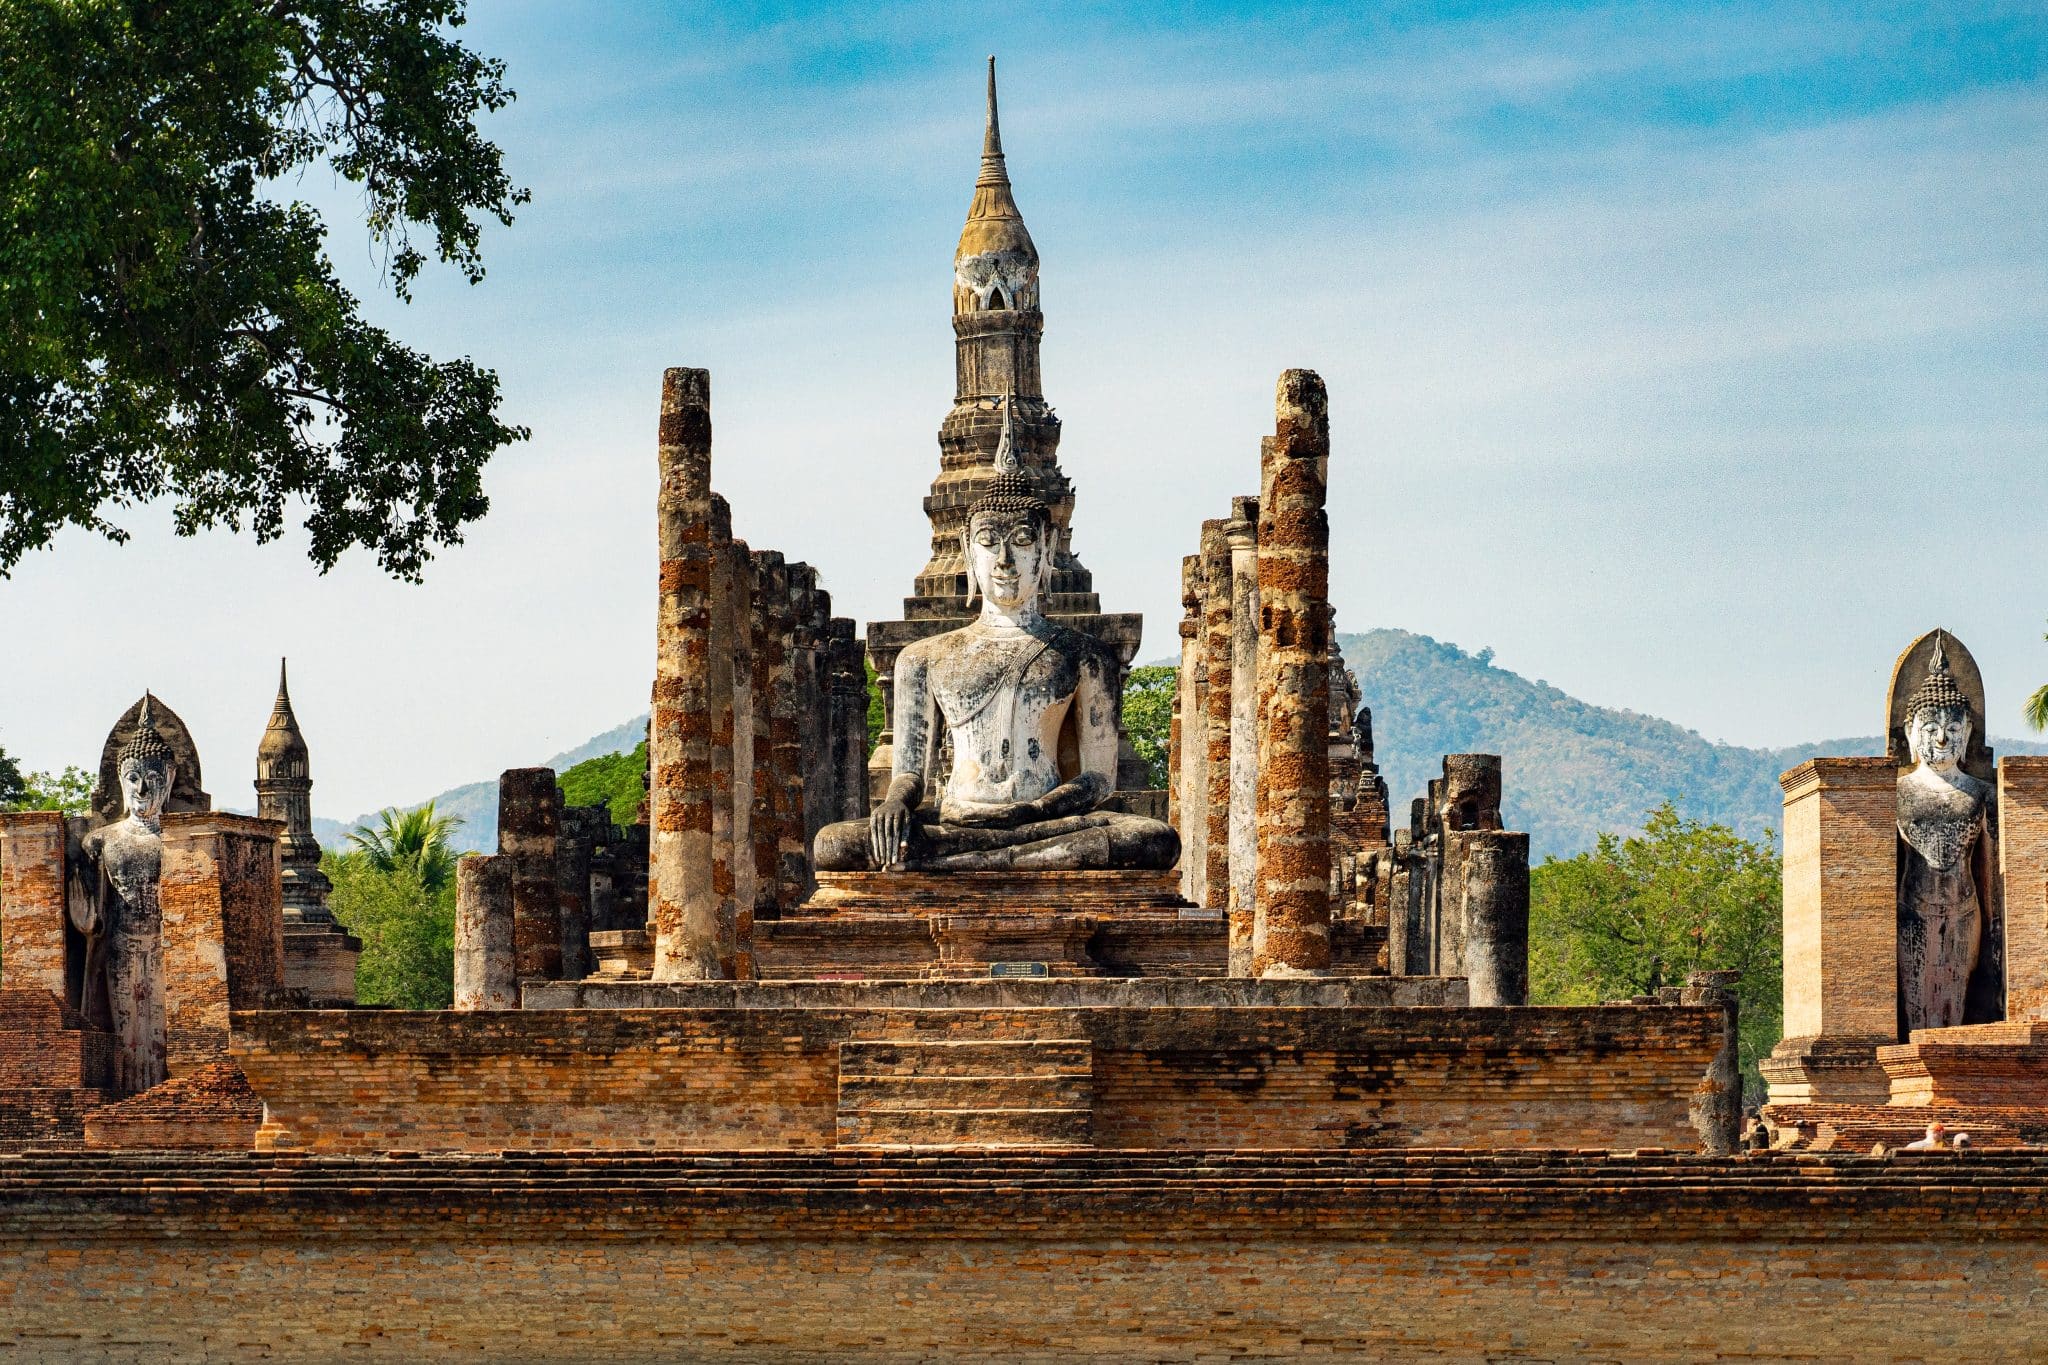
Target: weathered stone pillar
x,y
1841,932
814,698
580,830
1191,815
32,913
222,892
1496,904
2023,872
1241,533
1716,1106
719,688
1216,654
792,852
682,903
529,815
849,719
486,972
770,582
1292,933
737,612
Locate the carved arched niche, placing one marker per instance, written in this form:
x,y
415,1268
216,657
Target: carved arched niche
x,y
1984,1002
185,792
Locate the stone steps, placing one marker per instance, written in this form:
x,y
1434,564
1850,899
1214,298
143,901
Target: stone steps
x,y
966,1092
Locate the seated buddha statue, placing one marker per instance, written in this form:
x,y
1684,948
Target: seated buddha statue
x,y
1031,708
1943,818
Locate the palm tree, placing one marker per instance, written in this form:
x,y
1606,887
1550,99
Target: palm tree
x,y
2037,706
413,838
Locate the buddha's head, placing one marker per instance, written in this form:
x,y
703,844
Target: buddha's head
x,y
146,768
1009,542
1938,718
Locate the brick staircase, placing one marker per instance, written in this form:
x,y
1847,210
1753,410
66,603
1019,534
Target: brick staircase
x,y
53,1072
958,1093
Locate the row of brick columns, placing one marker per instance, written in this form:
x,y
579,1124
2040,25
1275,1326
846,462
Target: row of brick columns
x,y
760,704
1249,763
758,738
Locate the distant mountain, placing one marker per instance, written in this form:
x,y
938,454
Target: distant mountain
x,y
1572,769
477,802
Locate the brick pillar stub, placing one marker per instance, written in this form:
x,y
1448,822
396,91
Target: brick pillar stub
x,y
485,974
32,893
1191,813
2023,871
529,826
1216,655
222,892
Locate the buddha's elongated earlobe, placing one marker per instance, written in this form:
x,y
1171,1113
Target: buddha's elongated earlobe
x,y
967,558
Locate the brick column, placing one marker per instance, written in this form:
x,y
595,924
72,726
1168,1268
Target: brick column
x,y
682,905
1216,654
32,914
222,892
1241,533
719,686
792,862
1496,917
1841,932
486,977
1191,747
738,611
849,719
771,585
814,699
529,826
1292,934
579,831
2023,872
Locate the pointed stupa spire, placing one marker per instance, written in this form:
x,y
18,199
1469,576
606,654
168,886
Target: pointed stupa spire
x,y
995,227
281,736
992,169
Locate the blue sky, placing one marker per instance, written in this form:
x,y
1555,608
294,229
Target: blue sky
x,y
1690,356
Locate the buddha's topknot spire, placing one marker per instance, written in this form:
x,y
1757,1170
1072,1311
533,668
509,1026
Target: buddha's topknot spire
x,y
1939,691
146,744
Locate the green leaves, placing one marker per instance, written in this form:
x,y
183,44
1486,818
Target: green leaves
x,y
2036,708
1639,914
407,929
615,781
415,839
1148,715
168,326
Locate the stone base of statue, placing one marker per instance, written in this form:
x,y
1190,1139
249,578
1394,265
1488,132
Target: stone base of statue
x,y
321,961
1099,841
1987,1080
1826,1071
1007,893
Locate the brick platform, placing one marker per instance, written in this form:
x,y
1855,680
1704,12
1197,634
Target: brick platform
x,y
876,1256
1202,1069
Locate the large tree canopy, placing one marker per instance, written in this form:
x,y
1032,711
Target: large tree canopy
x,y
169,320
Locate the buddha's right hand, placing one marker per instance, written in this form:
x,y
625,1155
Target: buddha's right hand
x,y
889,832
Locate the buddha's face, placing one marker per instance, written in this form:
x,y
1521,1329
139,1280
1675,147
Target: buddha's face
x,y
1008,555
1939,735
146,785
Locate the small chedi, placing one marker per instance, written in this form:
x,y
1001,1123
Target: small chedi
x,y
1030,707
320,957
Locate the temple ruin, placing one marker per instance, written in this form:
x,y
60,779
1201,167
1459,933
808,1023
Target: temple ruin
x,y
972,1044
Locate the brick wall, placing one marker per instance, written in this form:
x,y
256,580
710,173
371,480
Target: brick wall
x,y
1187,1075
223,928
873,1257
